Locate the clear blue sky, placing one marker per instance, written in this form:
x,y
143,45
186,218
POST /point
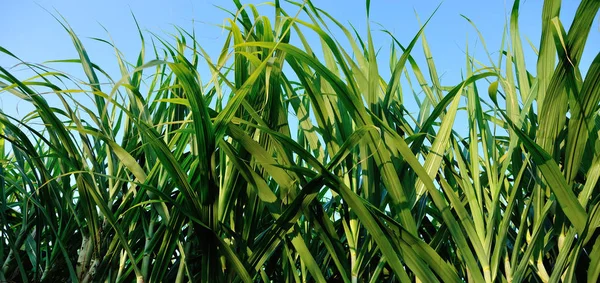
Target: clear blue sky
x,y
30,32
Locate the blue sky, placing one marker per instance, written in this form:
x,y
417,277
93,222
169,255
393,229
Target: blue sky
x,y
31,33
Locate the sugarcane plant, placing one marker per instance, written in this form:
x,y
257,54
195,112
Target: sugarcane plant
x,y
291,160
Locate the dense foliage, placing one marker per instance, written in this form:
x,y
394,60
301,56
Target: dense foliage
x,y
288,166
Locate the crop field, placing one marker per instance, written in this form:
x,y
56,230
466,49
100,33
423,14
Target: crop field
x,y
299,160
